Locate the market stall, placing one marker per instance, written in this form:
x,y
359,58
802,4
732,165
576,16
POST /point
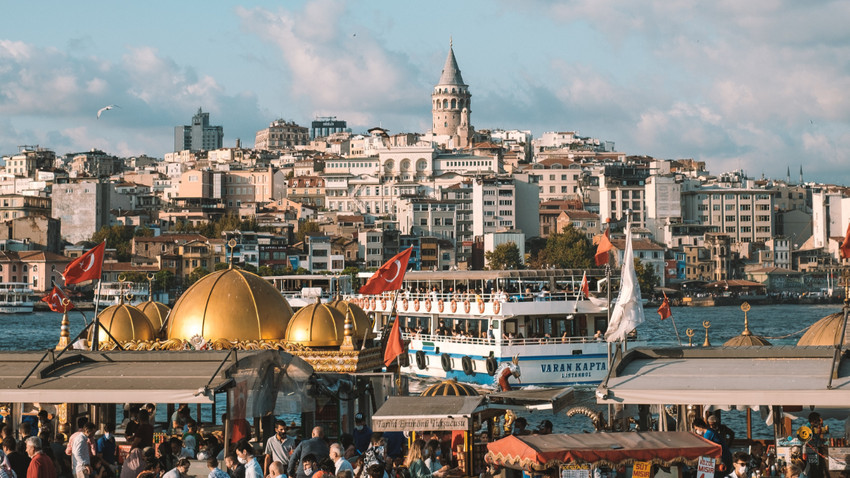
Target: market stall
x,y
536,453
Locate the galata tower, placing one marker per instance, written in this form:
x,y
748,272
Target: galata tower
x,y
450,105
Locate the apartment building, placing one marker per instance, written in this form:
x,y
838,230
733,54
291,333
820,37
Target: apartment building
x,y
745,214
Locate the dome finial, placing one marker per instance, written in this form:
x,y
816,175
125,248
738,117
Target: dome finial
x,y
746,308
232,244
348,332
707,325
150,286
450,41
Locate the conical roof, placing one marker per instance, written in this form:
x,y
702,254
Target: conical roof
x,y
451,72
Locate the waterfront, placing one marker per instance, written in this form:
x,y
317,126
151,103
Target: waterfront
x,y
40,330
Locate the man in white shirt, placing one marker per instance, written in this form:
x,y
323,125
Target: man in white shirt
x,y
81,451
245,454
337,455
278,447
179,471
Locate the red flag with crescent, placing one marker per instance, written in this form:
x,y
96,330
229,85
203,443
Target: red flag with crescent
x,y
389,276
57,300
86,267
585,287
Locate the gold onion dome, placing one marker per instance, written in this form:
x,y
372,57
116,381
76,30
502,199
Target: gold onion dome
x,y
125,323
450,388
230,304
317,325
362,324
746,341
156,312
826,331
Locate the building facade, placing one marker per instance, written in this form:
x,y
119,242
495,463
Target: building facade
x,y
200,135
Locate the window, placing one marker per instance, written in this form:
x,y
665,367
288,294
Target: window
x,y
730,207
746,218
423,221
702,207
715,207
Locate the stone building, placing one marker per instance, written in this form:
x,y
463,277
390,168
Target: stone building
x,y
451,106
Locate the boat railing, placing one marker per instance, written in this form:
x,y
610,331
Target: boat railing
x,y
503,341
496,296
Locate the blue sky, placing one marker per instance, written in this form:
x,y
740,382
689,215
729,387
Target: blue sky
x,y
759,85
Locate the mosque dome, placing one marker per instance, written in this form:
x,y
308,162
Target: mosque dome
x,y
746,341
125,323
825,331
156,312
317,325
362,323
450,388
230,304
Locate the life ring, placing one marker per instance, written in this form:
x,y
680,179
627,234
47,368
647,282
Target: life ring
x,y
427,305
491,364
383,303
404,304
420,360
497,306
466,306
446,362
466,362
454,305
416,305
440,306
372,304
481,306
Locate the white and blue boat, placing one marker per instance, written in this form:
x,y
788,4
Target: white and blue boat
x,y
493,316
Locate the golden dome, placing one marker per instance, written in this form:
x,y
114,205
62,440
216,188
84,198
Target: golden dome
x,y
317,325
450,388
746,341
125,323
825,331
156,312
230,304
362,323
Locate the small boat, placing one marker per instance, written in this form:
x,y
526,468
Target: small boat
x,y
475,323
301,290
111,293
15,298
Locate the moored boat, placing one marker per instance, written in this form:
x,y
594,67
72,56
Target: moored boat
x,y
15,298
469,325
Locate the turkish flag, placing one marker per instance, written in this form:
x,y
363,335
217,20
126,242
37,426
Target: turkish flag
x,y
585,287
394,345
57,300
602,249
389,276
86,267
664,309
844,250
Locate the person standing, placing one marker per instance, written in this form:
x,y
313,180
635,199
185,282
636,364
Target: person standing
x,y
278,447
18,461
41,466
81,452
416,464
740,462
702,429
362,434
340,463
315,446
215,471
245,453
234,468
106,444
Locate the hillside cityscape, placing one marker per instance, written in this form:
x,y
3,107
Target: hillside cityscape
x,y
323,199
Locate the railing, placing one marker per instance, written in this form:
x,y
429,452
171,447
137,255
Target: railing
x,y
501,297
502,342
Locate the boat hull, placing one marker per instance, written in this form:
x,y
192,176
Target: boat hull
x,y
23,308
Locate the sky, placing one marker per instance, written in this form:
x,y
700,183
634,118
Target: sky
x,y
759,85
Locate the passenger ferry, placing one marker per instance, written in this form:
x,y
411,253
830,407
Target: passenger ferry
x,y
15,298
111,293
470,324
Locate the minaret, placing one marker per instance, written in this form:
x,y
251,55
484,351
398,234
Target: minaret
x,y
450,105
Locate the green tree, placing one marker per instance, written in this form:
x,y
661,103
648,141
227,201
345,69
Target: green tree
x,y
163,280
570,249
117,237
196,275
264,271
504,256
143,231
304,228
221,266
647,280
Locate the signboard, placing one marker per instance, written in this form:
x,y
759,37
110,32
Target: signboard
x,y
574,470
381,424
641,469
839,458
705,467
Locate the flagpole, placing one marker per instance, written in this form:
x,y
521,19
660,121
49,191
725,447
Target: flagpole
x,y
95,321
